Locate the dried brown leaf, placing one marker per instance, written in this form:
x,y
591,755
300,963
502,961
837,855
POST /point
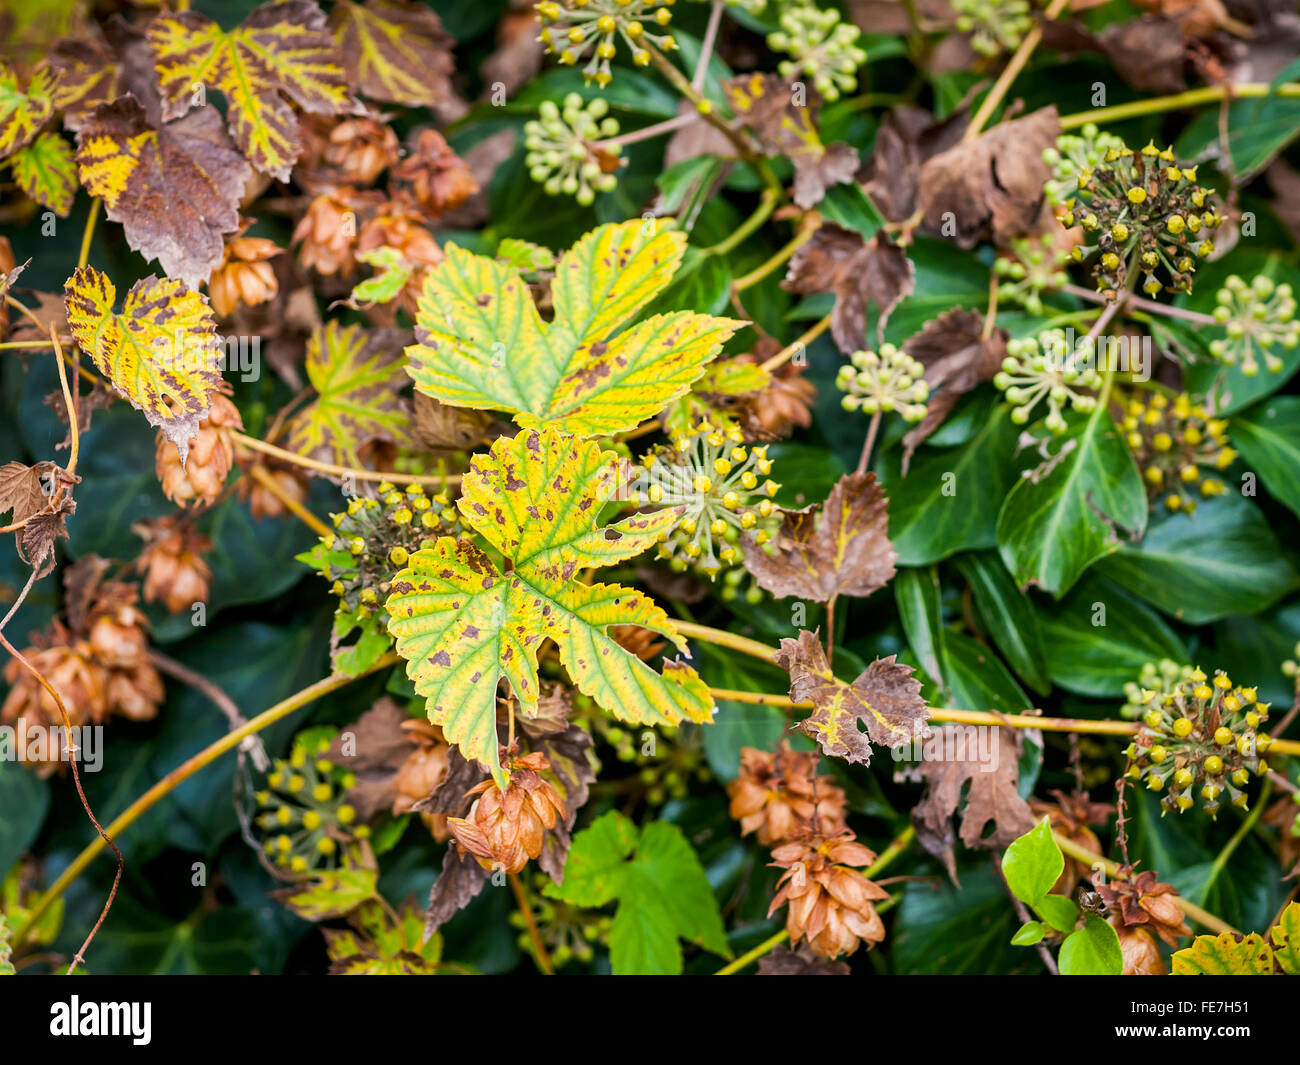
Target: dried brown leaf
x,y
885,697
990,186
857,272
21,490
840,547
459,883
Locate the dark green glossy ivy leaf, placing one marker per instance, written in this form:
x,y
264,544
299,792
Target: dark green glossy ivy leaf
x,y
1008,616
1268,437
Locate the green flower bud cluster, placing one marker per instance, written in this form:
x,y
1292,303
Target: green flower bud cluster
x,y
1033,266
888,380
1258,315
564,155
677,759
1155,676
1046,368
569,933
374,539
1173,444
571,27
720,485
1072,155
1142,212
302,812
822,48
995,26
1200,736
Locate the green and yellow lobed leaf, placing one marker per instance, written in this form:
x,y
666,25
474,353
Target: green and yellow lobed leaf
x,y
463,623
484,344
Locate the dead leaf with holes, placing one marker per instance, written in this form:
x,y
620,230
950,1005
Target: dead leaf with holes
x,y
885,697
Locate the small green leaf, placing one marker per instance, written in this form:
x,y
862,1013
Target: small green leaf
x,y
1028,934
1058,911
1091,951
1033,863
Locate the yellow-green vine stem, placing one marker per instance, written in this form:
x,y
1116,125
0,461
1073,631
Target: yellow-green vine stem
x,y
1177,102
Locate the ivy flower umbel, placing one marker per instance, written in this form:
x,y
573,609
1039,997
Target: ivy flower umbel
x,y
1155,676
1142,212
821,47
1261,315
995,26
1073,154
724,490
1033,265
564,154
888,381
1174,444
571,27
303,815
374,539
1200,734
1048,368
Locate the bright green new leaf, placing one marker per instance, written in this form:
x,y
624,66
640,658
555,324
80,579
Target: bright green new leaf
x,y
1091,951
46,172
586,372
1058,911
464,622
659,884
1033,863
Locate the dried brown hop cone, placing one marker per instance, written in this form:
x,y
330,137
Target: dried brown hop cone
x,y
1139,908
211,455
780,796
172,563
831,903
506,828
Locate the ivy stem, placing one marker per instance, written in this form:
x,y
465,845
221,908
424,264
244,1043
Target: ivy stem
x,y
767,204
886,856
1137,303
88,233
668,125
864,460
526,909
1091,859
254,444
182,773
1012,71
759,272
263,476
1178,101
1242,832
706,46
787,353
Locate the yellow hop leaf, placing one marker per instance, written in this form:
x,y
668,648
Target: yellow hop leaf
x,y
160,353
486,346
22,112
282,52
463,624
44,170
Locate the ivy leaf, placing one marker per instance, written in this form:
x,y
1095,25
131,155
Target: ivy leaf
x,y
357,375
175,189
1225,955
839,548
463,624
281,53
45,172
1033,863
485,346
1065,514
1268,437
23,111
885,697
766,103
662,892
393,51
160,353
1093,950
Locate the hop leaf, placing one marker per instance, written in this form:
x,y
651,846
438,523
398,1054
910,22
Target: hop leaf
x,y
394,51
45,172
282,52
174,188
463,624
357,377
886,698
160,352
22,112
485,345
